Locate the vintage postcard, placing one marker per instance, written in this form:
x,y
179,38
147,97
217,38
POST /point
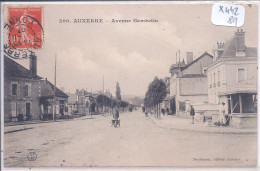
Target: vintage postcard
x,y
139,84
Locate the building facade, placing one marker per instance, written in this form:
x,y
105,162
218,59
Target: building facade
x,y
188,84
25,92
232,79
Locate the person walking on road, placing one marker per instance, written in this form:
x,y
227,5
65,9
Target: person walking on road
x,y
117,114
222,113
192,113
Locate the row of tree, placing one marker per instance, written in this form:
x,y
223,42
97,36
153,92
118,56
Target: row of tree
x,y
155,95
104,101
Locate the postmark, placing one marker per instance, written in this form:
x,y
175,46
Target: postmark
x,y
32,156
25,31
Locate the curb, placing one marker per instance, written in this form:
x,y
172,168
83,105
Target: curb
x,y
43,122
199,131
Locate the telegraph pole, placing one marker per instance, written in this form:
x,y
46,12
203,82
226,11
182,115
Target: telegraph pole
x,y
55,90
103,84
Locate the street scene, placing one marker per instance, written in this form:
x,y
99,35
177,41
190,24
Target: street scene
x,y
137,142
118,85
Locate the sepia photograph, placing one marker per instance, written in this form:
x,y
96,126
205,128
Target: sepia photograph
x,y
140,84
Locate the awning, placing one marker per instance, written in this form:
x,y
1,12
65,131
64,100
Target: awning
x,y
238,90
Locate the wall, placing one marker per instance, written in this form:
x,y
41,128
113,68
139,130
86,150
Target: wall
x,y
232,72
228,71
173,86
20,99
196,67
193,86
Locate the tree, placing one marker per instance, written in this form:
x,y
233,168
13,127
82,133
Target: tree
x,y
124,104
101,101
118,92
155,94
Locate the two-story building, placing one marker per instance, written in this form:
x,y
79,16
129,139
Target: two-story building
x,y
232,79
189,84
21,91
27,95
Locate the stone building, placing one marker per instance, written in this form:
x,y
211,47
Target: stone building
x,y
28,96
188,84
232,79
21,91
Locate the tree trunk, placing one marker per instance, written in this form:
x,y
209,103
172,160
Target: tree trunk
x,y
159,110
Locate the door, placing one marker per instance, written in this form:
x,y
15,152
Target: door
x,y
13,109
62,107
28,109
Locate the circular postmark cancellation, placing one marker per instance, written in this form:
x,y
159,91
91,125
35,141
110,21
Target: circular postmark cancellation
x,y
32,156
25,32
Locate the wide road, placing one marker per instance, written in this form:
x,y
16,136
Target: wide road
x,y
138,142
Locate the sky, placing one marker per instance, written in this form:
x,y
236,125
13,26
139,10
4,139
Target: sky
x,y
130,53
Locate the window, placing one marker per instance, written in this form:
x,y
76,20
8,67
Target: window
x,y
214,79
14,89
81,100
211,80
27,89
218,77
235,103
13,109
204,71
241,74
249,103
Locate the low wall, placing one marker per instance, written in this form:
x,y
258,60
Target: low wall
x,y
244,121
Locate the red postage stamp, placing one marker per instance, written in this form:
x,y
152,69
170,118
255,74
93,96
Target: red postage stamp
x,y
25,28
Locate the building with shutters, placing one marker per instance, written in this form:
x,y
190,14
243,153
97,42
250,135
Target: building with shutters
x,y
232,79
25,93
188,84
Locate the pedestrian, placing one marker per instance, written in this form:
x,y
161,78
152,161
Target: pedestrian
x,y
116,114
146,112
222,113
192,113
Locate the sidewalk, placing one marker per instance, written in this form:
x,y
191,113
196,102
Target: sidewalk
x,y
10,127
183,124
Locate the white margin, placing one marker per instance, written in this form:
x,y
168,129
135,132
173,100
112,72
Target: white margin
x,y
116,2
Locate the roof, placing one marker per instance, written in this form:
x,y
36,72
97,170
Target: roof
x,y
193,76
247,86
204,54
13,69
230,49
47,90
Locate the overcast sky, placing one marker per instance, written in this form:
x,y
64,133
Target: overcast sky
x,y
130,53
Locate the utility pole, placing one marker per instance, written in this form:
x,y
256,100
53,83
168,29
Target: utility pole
x,y
55,90
179,58
103,84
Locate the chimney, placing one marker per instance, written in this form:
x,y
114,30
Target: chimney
x,y
220,49
33,63
240,43
189,57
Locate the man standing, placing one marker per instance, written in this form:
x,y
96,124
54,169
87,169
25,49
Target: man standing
x,y
222,112
117,114
192,113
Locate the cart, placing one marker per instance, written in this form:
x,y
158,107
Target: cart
x,y
115,123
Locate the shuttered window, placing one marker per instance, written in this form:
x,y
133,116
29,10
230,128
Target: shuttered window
x,y
14,87
241,74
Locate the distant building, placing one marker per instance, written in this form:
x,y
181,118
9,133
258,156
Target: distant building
x,y
47,100
188,84
72,103
232,78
